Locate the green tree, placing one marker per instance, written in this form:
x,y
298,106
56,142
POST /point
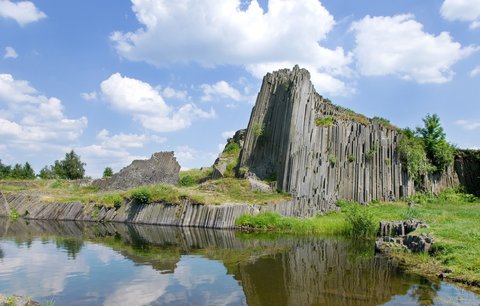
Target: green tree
x,y
438,150
4,170
70,168
108,172
47,173
28,172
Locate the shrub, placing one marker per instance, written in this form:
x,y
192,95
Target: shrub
x,y
230,171
141,196
113,199
371,153
324,121
13,214
232,148
351,158
332,159
361,221
187,181
258,129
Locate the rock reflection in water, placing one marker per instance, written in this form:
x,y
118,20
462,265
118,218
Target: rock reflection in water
x,y
182,265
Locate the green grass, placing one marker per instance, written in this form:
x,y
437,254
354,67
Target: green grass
x,y
193,177
227,190
324,121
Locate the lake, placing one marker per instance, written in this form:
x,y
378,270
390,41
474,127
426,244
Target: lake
x,y
71,263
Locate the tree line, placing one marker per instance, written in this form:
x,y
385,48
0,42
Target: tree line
x,y
70,168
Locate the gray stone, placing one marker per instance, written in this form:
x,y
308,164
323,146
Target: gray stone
x,y
162,167
352,157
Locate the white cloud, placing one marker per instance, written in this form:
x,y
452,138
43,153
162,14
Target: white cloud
x,y
475,71
228,134
228,32
189,157
147,106
220,90
23,12
398,45
89,96
30,117
169,93
463,10
10,53
468,124
99,156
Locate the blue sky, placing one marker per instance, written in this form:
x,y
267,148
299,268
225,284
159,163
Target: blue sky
x,y
119,80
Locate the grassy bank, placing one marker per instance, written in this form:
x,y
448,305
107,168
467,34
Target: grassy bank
x,y
213,192
453,217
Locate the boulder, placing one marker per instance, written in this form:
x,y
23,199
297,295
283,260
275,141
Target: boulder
x,y
162,167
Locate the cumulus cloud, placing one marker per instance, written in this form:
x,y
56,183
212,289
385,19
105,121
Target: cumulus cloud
x,y
463,10
398,45
469,125
10,53
220,90
227,32
23,12
147,106
172,93
89,96
189,157
29,117
228,134
475,71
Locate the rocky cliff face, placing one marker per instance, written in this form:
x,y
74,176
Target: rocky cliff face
x,y
162,167
317,151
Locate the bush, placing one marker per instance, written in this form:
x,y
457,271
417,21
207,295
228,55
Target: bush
x,y
141,196
187,181
332,159
258,129
113,199
351,158
325,121
361,221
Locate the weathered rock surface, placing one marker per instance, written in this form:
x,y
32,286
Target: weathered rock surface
x,y
399,228
185,214
162,167
349,157
395,235
220,165
467,167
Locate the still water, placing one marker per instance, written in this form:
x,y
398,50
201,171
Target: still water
x,y
115,264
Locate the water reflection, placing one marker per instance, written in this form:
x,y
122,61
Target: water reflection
x,y
117,264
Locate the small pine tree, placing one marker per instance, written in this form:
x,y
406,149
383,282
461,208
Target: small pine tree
x,y
438,150
28,172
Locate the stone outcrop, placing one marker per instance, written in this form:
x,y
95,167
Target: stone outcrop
x,y
467,168
162,167
220,165
185,214
317,151
396,235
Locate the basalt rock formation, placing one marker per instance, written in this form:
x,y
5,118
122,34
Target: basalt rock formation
x,y
162,167
317,151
